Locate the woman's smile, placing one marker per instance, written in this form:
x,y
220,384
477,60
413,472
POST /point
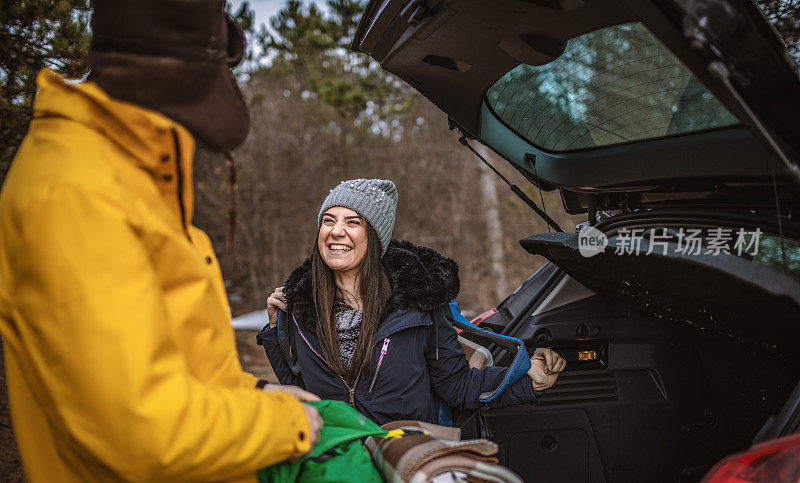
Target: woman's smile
x,y
342,239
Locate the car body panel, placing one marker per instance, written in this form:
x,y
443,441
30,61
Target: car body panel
x,y
620,167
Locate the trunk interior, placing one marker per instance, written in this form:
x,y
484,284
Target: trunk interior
x,y
662,400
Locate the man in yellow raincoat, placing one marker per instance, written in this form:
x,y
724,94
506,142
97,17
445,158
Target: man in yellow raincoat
x,y
120,357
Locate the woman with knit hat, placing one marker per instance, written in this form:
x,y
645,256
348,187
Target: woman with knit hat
x,y
371,320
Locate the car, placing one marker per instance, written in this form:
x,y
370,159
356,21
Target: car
x,y
674,125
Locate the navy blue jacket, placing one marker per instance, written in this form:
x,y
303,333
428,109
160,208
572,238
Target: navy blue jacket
x,y
423,362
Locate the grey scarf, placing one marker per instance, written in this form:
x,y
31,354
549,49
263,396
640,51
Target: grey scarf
x,y
348,326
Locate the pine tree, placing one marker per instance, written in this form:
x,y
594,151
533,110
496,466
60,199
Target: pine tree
x,y
36,34
314,49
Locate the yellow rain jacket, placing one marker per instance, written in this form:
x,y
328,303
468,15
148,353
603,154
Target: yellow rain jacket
x,y
120,357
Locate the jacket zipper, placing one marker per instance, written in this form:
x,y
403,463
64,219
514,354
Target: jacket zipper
x,y
351,391
384,350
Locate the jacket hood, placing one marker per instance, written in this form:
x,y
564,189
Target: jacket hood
x,y
421,278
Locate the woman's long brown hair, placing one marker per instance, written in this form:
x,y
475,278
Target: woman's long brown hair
x,y
376,291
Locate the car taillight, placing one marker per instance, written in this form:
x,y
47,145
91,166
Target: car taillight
x,y
773,461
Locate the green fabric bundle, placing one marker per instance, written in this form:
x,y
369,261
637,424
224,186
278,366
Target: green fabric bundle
x,y
338,456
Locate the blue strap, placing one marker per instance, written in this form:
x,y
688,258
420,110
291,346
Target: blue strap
x,y
519,366
445,414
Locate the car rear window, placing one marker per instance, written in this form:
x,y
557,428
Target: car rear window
x,y
613,86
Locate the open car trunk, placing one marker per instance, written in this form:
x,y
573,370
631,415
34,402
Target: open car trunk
x,y
605,96
677,114
684,361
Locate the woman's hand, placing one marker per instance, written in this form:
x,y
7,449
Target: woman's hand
x,y
275,302
545,366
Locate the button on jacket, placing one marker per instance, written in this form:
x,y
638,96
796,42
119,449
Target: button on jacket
x,y
120,358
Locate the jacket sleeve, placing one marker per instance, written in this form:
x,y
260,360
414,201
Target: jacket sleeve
x,y
100,348
268,338
458,384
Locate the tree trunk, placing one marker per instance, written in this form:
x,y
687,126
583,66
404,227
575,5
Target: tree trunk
x,y
255,250
494,227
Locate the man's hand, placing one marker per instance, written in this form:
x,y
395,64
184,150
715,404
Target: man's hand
x,y
314,423
314,420
275,302
295,391
545,366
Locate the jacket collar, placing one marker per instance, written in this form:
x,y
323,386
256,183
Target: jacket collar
x,y
422,280
151,140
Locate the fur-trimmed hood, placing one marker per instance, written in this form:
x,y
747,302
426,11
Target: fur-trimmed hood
x,y
421,278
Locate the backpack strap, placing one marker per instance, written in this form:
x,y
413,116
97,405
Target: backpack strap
x,y
519,366
287,343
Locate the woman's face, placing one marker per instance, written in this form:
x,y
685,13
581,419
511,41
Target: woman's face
x,y
342,239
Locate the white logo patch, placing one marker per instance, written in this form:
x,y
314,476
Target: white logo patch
x,y
591,241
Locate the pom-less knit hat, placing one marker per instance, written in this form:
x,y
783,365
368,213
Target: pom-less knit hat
x,y
374,199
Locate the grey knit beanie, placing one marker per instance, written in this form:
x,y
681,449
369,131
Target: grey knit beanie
x,y
374,199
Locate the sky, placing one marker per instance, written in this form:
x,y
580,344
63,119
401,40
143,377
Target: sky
x,y
265,9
